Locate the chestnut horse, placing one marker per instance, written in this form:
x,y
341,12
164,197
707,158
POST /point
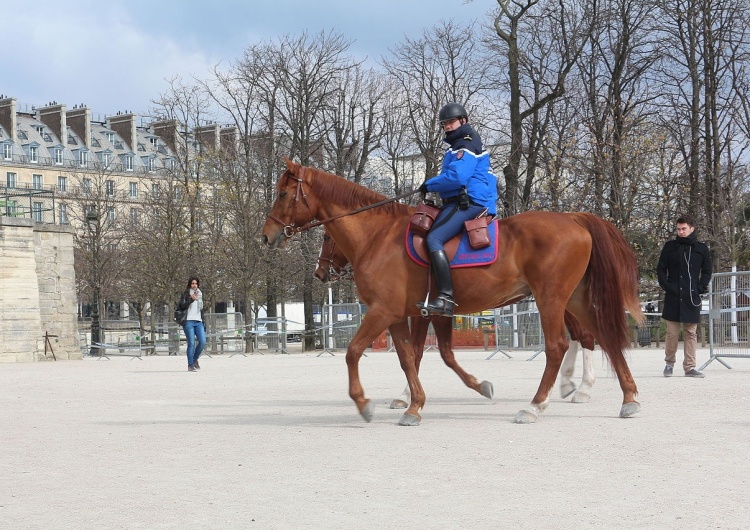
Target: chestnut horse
x,y
333,265
573,261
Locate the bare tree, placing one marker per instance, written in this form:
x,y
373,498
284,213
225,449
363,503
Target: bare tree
x,y
567,32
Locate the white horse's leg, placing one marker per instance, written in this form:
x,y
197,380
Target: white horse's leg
x,y
567,386
583,394
403,400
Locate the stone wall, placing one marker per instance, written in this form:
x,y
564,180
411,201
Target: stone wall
x,y
37,292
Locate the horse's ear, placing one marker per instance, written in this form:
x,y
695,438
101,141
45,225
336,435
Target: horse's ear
x,y
290,165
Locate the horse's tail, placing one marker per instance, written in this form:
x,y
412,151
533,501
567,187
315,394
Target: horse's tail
x,y
612,277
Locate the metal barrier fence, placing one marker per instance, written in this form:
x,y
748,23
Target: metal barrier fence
x,y
728,317
225,333
339,323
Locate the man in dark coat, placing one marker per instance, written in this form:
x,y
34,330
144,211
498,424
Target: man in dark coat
x,y
684,271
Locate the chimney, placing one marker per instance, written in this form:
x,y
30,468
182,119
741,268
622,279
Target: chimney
x,y
229,139
167,131
79,119
208,136
124,125
8,117
53,116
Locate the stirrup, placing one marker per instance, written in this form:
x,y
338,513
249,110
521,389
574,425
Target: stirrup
x,y
442,305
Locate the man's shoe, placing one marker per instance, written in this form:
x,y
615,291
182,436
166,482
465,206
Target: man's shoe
x,y
668,370
191,368
196,365
694,373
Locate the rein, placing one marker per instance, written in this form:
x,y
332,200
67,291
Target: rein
x,y
290,230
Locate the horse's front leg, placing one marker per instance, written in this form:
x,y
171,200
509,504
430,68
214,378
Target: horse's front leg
x,y
567,386
419,327
372,325
402,341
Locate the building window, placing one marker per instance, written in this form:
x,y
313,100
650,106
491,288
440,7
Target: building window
x,y
86,185
37,211
9,208
33,154
10,180
133,190
62,183
58,156
104,158
128,163
110,187
83,158
37,182
8,151
150,164
155,191
110,137
111,215
63,213
134,215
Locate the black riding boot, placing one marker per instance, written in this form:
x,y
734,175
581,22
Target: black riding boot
x,y
443,303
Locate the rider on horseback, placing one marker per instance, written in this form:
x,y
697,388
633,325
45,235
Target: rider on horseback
x,y
467,187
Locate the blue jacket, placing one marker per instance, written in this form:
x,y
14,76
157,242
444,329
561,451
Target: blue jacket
x,y
466,163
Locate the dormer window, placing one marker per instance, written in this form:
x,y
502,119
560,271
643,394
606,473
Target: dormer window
x,y
8,151
33,154
72,140
110,136
58,155
83,158
127,162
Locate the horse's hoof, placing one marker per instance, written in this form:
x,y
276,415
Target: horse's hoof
x,y
367,411
526,416
399,404
567,389
486,389
630,409
409,420
581,397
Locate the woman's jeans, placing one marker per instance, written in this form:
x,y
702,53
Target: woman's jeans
x,y
194,330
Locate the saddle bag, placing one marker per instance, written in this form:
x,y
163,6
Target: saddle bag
x,y
479,236
421,221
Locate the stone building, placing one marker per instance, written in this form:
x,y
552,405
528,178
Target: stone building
x,y
51,158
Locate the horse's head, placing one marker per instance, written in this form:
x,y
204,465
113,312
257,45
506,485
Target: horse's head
x,y
331,262
291,209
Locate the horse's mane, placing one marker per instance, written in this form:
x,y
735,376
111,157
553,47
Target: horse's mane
x,y
349,194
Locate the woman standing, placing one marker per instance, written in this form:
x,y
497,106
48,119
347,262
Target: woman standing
x,y
192,301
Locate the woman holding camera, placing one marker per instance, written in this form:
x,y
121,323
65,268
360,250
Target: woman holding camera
x,y
192,301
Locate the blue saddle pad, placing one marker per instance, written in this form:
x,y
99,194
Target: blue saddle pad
x,y
465,255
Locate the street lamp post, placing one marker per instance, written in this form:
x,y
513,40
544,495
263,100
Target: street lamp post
x,y
92,220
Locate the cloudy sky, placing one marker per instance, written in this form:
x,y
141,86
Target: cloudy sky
x,y
115,55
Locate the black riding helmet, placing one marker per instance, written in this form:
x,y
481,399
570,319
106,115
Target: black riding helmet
x,y
451,111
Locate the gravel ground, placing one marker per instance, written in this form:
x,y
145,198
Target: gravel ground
x,y
273,441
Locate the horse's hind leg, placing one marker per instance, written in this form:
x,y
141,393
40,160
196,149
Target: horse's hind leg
x,y
583,394
555,345
567,386
443,327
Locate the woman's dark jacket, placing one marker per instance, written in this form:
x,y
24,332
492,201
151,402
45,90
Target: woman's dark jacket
x,y
684,271
185,301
